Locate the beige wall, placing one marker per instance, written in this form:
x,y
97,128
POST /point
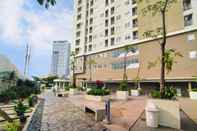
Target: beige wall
x,y
149,51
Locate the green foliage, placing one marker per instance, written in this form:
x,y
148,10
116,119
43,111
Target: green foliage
x,y
20,108
123,86
12,126
169,93
194,90
7,95
98,92
66,88
47,3
155,94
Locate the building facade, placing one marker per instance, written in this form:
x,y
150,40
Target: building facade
x,y
60,58
104,27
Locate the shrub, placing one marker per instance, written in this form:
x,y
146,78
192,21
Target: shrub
x,y
12,126
123,86
98,92
20,108
194,90
169,93
155,94
99,84
66,88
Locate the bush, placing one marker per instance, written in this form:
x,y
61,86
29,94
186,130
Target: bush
x,y
66,88
123,86
194,90
98,92
20,108
155,94
169,93
12,126
7,95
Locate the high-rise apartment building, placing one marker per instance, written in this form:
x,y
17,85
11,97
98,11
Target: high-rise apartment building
x,y
60,58
103,27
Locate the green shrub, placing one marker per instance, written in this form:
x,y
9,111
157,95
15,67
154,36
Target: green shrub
x,y
194,90
20,108
98,92
169,93
123,86
12,126
66,88
155,94
7,95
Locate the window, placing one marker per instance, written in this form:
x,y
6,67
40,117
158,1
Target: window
x,y
91,20
127,37
90,38
118,17
118,39
106,13
90,48
79,2
134,11
79,26
77,50
106,32
112,31
106,2
127,25
127,2
106,43
187,5
112,20
91,3
112,41
134,2
77,42
79,9
78,34
106,23
78,17
135,35
90,30
135,23
91,11
112,10
188,20
112,1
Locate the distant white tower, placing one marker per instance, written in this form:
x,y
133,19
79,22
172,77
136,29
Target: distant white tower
x,y
27,60
60,58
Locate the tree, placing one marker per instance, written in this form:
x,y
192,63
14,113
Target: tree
x,y
47,3
73,61
91,62
159,7
126,50
10,77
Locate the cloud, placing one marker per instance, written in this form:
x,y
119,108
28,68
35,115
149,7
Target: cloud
x,y
22,22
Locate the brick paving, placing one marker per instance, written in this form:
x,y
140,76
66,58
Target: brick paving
x,y
61,115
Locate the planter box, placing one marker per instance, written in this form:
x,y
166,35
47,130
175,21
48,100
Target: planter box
x,y
135,93
96,98
193,95
169,112
73,91
122,95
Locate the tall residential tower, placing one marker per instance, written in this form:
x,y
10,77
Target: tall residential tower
x,y
60,58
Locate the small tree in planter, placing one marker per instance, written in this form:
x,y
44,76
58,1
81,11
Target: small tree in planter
x,y
20,109
122,93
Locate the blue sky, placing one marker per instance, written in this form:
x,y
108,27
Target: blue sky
x,y
24,21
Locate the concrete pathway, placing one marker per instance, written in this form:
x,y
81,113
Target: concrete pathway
x,y
61,115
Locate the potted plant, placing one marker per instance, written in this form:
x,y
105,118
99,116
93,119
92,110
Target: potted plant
x,y
169,108
97,94
122,93
193,94
20,109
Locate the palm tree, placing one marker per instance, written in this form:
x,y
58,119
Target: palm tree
x,y
47,3
126,50
90,63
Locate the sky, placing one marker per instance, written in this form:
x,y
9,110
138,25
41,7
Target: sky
x,y
25,21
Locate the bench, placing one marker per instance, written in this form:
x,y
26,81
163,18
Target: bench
x,y
98,111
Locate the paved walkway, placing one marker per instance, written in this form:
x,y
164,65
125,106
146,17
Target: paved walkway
x,y
61,115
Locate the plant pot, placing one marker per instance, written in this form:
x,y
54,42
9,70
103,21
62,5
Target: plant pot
x,y
73,91
22,118
122,95
96,98
135,93
193,95
169,112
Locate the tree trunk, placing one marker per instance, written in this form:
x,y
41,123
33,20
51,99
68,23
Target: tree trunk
x,y
163,44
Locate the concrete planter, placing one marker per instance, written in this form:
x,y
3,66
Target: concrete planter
x,y
135,93
169,112
193,95
96,98
122,95
73,91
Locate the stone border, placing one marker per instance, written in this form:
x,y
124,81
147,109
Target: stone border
x,y
30,118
